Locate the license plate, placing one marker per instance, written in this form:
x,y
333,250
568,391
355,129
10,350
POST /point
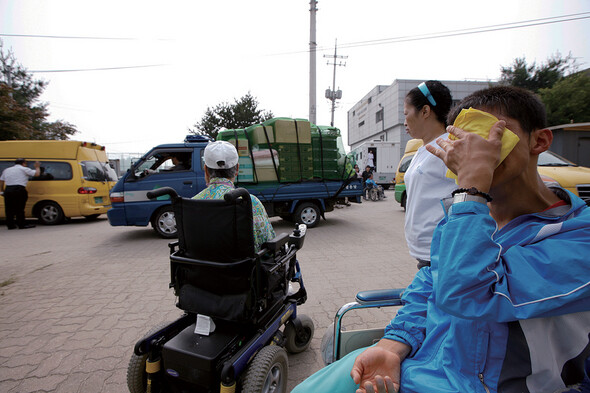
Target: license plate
x,y
97,199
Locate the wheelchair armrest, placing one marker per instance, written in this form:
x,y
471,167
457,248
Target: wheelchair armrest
x,y
390,297
275,244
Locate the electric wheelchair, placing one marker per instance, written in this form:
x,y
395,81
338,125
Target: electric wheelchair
x,y
236,301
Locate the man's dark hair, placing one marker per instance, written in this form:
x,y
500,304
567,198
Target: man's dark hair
x,y
514,102
20,161
441,95
228,173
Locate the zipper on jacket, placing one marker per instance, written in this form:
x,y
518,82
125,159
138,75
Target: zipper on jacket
x,y
480,375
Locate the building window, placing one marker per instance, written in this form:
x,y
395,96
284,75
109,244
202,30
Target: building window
x,y
379,116
354,113
370,99
362,123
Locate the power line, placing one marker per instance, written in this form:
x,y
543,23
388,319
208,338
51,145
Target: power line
x,y
451,33
98,69
80,37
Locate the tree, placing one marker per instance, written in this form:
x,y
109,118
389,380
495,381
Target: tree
x,y
568,101
242,113
534,77
22,115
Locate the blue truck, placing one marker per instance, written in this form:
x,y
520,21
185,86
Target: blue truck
x,y
303,201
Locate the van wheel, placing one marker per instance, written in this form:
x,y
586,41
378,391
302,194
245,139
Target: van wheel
x,y
307,213
50,213
164,222
404,200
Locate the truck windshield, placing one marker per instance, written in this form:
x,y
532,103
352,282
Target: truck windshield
x,y
98,171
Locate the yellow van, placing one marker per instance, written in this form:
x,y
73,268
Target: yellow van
x,y
75,179
400,186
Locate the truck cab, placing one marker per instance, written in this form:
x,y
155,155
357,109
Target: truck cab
x,y
173,165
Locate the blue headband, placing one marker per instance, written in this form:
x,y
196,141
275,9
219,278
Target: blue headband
x,y
424,89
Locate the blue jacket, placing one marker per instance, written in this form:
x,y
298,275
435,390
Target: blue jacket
x,y
500,310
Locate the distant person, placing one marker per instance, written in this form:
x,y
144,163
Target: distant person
x,y
357,172
425,108
371,160
179,164
221,168
13,182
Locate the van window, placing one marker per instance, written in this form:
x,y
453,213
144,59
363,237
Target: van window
x,y
50,170
403,166
98,171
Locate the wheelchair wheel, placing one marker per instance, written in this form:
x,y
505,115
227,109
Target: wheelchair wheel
x,y
136,375
267,373
299,341
374,194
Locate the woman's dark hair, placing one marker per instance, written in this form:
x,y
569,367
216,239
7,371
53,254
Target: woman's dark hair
x,y
441,95
519,104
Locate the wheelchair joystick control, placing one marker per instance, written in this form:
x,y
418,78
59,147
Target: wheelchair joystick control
x,y
296,231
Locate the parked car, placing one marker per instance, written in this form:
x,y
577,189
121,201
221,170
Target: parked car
x,y
75,179
400,186
556,170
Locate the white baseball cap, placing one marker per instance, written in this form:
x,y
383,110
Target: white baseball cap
x,y
220,155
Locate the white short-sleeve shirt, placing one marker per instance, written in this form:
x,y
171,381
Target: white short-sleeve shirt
x,y
17,175
426,185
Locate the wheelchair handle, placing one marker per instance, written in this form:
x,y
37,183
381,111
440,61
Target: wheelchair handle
x,y
231,196
158,192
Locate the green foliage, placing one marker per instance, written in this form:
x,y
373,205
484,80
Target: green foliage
x,y
22,116
242,113
568,101
534,77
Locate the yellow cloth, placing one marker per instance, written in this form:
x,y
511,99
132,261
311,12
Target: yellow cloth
x,y
480,123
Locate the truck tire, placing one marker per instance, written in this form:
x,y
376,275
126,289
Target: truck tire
x,y
164,222
404,200
307,213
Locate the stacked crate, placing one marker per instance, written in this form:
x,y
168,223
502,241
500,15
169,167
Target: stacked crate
x,y
245,170
292,142
324,141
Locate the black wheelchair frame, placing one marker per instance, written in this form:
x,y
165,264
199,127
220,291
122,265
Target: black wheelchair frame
x,y
245,352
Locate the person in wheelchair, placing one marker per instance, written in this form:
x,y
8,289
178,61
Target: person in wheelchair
x,y
505,306
371,185
221,168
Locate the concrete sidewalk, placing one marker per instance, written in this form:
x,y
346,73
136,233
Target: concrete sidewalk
x,y
75,298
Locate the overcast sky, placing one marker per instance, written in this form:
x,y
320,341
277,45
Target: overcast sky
x,y
203,53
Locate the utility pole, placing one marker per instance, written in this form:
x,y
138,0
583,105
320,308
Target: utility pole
x,y
312,52
333,94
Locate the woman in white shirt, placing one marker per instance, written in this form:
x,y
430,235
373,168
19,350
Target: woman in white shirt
x,y
425,108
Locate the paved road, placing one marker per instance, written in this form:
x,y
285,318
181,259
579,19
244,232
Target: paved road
x,y
75,298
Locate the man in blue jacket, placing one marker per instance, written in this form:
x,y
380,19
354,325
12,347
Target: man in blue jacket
x,y
505,305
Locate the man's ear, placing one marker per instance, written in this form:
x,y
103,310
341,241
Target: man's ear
x,y
541,141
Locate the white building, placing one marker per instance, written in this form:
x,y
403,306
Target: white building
x,y
380,114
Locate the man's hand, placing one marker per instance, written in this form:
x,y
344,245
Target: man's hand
x,y
472,158
37,164
377,369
